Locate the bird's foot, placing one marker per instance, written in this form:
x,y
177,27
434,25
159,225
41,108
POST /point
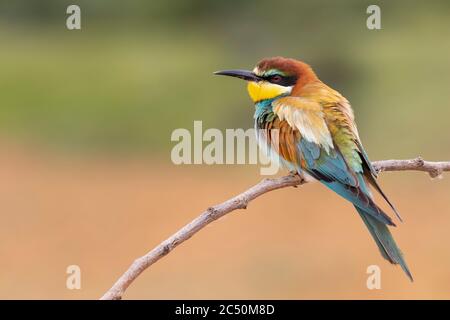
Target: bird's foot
x,y
295,174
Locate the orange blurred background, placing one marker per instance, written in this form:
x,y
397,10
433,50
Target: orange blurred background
x,y
303,243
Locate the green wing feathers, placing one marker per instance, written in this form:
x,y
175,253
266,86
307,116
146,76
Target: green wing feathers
x,y
346,139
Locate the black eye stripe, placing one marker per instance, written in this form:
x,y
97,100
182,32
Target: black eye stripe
x,y
285,81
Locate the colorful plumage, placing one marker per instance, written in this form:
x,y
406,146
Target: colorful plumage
x,y
316,136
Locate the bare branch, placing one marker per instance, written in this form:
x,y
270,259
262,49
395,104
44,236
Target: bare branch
x,y
434,169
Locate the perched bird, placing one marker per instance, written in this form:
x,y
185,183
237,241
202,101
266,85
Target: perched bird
x,y
316,137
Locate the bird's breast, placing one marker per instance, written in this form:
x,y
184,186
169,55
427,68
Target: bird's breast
x,y
277,139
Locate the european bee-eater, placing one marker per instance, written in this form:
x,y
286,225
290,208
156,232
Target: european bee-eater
x,y
317,138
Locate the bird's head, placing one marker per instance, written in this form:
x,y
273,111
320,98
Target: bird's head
x,y
274,77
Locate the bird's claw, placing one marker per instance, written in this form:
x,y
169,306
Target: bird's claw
x,y
293,173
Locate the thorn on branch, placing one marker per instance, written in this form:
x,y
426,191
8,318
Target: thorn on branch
x,y
165,250
243,202
212,211
419,161
436,173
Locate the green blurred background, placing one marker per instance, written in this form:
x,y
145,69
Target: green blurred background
x,y
87,110
139,69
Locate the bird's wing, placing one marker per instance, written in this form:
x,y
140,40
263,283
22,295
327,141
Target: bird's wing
x,y
342,127
340,121
326,148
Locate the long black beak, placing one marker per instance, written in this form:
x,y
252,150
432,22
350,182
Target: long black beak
x,y
241,74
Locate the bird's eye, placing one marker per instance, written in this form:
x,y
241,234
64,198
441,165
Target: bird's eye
x,y
276,78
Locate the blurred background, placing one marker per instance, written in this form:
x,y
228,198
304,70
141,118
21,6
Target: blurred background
x,y
85,124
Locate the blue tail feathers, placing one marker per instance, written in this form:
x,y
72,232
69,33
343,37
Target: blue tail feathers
x,y
384,241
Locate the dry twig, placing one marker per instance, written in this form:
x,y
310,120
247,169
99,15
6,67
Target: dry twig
x,y
434,169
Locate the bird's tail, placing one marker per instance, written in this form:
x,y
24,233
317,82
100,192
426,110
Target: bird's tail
x,y
384,241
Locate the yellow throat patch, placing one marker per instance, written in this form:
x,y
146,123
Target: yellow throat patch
x,y
263,90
